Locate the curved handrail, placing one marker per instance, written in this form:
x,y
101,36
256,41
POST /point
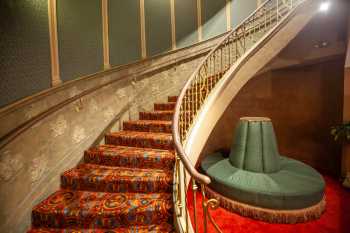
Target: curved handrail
x,y
189,101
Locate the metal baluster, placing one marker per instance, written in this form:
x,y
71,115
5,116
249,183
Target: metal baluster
x,y
194,191
185,204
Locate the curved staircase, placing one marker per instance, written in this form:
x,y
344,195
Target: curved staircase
x,y
123,186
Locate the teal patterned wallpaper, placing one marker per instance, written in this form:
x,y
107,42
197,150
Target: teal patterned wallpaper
x,y
158,26
214,18
186,22
25,65
124,39
79,37
241,9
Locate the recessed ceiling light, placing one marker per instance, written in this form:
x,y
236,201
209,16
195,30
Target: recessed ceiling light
x,y
324,6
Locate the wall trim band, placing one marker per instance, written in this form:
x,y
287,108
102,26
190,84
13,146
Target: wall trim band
x,y
54,55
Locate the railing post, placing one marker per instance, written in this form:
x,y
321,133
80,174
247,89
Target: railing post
x,y
194,189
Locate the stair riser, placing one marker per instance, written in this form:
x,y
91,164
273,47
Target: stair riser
x,y
160,128
172,98
164,107
118,185
156,116
140,161
140,142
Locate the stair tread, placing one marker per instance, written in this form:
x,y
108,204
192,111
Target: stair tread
x,y
120,150
157,115
156,126
101,170
164,106
82,209
116,179
130,157
172,98
159,111
137,134
160,228
141,139
150,122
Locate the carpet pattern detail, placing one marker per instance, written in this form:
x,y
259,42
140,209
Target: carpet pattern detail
x,y
157,115
123,186
131,157
141,139
148,126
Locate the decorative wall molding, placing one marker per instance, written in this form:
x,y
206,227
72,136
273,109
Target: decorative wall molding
x,y
228,15
199,20
173,24
143,29
106,61
55,67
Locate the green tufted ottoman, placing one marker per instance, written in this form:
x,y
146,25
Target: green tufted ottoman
x,y
256,181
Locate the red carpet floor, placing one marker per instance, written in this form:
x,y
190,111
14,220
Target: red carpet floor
x,y
336,219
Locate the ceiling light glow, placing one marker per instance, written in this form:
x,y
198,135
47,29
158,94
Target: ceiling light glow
x,y
324,6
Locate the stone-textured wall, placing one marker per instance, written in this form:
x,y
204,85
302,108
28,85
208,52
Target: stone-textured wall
x,y
303,103
30,165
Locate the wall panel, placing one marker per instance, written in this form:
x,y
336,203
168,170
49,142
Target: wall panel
x,y
213,18
158,26
303,103
240,9
24,49
186,22
124,39
79,37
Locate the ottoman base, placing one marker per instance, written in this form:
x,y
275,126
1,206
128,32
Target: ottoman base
x,y
270,215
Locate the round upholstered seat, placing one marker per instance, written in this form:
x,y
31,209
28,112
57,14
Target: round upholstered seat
x,y
256,174
294,186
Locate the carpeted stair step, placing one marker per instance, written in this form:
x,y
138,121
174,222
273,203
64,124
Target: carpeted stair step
x,y
92,177
170,106
130,157
77,209
141,139
161,228
157,115
148,126
172,98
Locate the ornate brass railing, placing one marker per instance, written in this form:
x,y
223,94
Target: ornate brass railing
x,y
199,86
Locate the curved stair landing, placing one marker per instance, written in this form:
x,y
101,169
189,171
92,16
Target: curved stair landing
x,y
123,186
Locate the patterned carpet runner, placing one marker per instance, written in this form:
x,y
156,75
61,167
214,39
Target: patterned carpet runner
x,y
123,186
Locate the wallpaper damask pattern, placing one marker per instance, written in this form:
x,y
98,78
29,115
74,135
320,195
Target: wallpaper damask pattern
x,y
124,39
186,22
214,19
24,49
80,41
158,26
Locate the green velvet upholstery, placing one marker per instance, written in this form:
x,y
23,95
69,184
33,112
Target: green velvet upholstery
x,y
256,174
255,148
